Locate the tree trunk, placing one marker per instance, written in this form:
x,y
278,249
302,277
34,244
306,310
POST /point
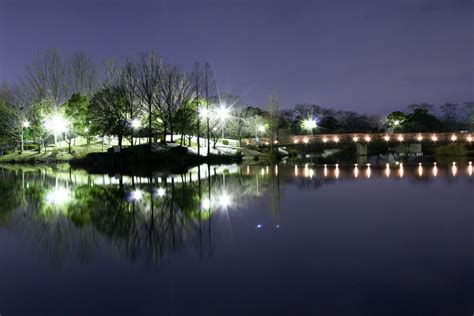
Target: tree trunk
x,y
120,138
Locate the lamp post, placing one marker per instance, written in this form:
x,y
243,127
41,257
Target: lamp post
x,y
24,125
223,114
260,129
56,124
135,124
203,113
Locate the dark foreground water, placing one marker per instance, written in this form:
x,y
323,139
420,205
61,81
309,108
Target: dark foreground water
x,y
304,240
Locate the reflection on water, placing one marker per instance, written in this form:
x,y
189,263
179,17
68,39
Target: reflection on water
x,y
70,213
66,217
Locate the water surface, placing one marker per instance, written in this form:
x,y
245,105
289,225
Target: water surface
x,y
237,240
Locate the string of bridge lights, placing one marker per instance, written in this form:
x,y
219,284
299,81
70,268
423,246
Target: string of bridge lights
x,y
387,138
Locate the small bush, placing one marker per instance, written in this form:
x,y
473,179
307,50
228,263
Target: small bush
x,y
225,142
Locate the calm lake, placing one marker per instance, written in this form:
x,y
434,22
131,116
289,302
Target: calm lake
x,y
238,240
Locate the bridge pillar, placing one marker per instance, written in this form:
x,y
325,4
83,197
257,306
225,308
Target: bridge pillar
x,y
361,149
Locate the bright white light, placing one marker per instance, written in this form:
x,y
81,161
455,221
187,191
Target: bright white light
x,y
305,140
454,138
223,113
295,141
355,138
161,192
135,123
26,124
203,112
336,139
259,226
206,204
469,138
309,124
136,195
56,124
420,138
434,138
400,138
367,138
225,200
261,128
325,140
58,196
387,138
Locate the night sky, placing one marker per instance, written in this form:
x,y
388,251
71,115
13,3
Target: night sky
x,y
369,56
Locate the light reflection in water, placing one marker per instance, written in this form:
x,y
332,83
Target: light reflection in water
x,y
401,171
420,170
356,171
469,169
369,172
454,169
387,170
435,170
336,172
325,170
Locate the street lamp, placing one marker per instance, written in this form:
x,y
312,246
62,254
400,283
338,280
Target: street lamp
x,y
135,124
56,124
25,124
309,124
260,129
223,114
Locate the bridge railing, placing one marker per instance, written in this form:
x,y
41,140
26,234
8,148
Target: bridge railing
x,y
365,138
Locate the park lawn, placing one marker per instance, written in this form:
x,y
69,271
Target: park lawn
x,y
51,154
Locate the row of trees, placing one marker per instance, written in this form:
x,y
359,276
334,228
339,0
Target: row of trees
x,y
145,96
423,117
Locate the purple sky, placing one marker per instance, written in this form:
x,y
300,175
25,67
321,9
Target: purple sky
x,y
368,56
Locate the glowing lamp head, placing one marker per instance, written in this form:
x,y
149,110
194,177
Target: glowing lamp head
x,y
454,138
400,138
295,141
56,124
386,138
305,140
469,138
336,139
367,138
434,138
420,138
135,123
203,112
325,140
355,138
25,124
309,124
223,113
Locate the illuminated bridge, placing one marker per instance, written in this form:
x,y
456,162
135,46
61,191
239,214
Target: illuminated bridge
x,y
364,138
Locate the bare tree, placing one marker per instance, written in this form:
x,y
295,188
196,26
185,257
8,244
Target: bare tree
x,y
209,89
273,107
148,76
197,78
176,92
82,74
45,78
